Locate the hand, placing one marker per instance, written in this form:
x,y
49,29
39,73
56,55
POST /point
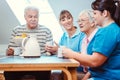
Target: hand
x,y
68,53
51,48
10,52
87,76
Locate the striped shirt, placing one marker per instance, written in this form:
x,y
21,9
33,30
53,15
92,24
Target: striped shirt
x,y
42,33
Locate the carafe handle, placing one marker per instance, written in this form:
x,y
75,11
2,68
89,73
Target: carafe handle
x,y
24,42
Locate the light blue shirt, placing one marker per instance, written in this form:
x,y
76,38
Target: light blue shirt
x,y
106,42
71,42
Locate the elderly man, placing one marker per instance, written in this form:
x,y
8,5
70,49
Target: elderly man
x,y
43,34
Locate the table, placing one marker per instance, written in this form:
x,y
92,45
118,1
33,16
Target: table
x,y
44,63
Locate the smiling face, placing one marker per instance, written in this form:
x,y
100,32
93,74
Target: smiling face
x,y
31,17
66,20
84,23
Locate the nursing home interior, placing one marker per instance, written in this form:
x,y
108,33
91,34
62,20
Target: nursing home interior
x,y
12,15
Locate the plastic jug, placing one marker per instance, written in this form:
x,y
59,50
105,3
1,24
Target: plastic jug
x,y
30,47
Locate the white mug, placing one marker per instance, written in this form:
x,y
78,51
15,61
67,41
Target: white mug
x,y
50,43
59,54
17,50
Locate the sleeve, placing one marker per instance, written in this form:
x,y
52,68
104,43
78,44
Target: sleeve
x,y
105,42
13,34
61,42
49,36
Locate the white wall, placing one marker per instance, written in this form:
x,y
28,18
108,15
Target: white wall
x,y
7,22
74,6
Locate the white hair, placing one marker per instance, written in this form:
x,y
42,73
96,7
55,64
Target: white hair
x,y
31,8
88,13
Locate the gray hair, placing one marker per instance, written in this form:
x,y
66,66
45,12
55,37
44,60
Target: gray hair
x,y
89,13
31,8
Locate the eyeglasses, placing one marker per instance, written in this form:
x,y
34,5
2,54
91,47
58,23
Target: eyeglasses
x,y
82,20
90,17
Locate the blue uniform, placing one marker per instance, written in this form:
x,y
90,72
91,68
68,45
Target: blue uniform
x,y
71,42
106,42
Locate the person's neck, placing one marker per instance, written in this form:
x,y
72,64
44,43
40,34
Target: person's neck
x,y
31,28
71,31
107,22
90,31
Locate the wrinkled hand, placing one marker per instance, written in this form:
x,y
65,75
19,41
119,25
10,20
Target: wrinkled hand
x,y
68,53
10,52
51,49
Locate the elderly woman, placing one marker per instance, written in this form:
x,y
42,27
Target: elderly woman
x,y
87,26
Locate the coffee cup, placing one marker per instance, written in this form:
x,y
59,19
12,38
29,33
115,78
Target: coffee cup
x,y
17,50
59,54
50,43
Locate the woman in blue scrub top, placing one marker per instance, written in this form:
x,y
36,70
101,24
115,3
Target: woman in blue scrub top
x,y
71,37
103,52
